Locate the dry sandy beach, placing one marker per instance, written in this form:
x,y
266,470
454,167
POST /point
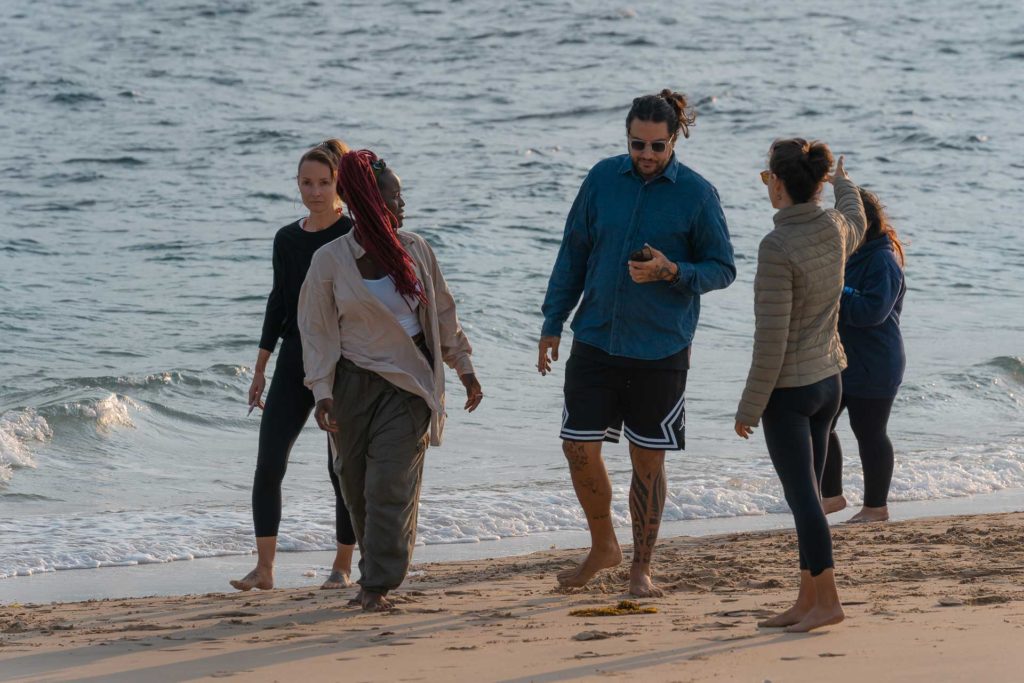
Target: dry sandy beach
x,y
938,599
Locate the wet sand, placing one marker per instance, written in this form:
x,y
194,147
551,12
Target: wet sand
x,y
929,599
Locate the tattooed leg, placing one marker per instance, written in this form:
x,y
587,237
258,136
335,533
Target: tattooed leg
x,y
646,504
594,491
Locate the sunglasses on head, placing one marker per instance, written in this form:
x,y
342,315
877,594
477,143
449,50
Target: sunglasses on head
x,y
657,146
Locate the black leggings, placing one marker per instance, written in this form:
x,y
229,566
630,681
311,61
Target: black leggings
x,y
796,426
869,419
288,406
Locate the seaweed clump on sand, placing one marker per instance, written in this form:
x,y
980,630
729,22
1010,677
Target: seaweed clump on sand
x,y
624,607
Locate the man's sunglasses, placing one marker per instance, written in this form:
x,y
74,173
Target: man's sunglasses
x,y
765,176
658,146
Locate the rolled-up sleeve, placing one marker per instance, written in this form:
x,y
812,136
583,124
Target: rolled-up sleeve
x,y
318,326
455,347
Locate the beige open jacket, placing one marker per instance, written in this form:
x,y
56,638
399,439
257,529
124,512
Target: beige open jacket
x,y
338,316
800,266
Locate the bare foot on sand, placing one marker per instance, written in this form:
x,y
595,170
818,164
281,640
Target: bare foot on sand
x,y
375,602
833,504
818,617
258,578
595,561
794,615
867,514
641,586
337,579
356,601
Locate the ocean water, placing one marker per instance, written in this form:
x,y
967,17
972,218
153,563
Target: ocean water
x,y
148,158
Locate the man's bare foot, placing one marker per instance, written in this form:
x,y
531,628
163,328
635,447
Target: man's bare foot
x,y
818,617
337,579
867,514
375,602
356,601
794,615
258,578
833,504
596,560
641,586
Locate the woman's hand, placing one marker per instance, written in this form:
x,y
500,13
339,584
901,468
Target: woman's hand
x,y
744,431
657,269
259,383
474,394
325,415
840,170
543,361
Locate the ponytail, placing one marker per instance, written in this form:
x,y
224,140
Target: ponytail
x,y
376,227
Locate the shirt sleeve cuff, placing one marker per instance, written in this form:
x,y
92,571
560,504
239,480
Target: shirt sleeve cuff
x,y
551,328
464,366
322,389
686,271
746,418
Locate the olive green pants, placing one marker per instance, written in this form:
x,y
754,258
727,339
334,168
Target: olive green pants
x,y
379,447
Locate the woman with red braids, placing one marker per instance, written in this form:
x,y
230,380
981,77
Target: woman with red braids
x,y
376,318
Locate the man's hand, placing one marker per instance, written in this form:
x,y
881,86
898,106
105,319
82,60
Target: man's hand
x,y
474,394
546,344
324,415
744,431
657,269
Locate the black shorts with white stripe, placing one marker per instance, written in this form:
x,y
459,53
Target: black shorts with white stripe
x,y
603,401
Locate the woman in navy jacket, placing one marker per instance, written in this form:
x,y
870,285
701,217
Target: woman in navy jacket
x,y
869,326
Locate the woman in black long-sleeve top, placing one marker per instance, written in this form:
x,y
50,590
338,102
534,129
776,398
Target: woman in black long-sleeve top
x,y
289,402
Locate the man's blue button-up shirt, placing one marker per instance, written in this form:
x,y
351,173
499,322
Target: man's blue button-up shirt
x,y
615,213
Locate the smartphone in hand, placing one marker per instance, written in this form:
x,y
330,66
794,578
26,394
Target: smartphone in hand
x,y
643,254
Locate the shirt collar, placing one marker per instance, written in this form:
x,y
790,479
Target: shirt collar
x,y
670,172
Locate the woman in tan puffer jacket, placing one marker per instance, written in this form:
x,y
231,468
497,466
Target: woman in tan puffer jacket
x,y
794,381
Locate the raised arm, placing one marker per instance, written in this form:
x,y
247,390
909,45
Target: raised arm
x,y
773,308
850,206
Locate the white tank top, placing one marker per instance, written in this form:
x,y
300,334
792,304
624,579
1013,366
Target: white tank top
x,y
404,308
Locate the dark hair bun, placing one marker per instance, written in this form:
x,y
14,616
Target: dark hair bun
x,y
818,158
802,165
328,152
677,101
667,106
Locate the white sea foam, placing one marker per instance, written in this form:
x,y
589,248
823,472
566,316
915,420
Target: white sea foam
x,y
108,413
19,430
128,537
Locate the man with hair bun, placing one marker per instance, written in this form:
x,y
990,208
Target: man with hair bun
x,y
644,239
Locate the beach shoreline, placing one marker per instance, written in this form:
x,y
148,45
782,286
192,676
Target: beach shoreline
x,y
935,598
310,568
